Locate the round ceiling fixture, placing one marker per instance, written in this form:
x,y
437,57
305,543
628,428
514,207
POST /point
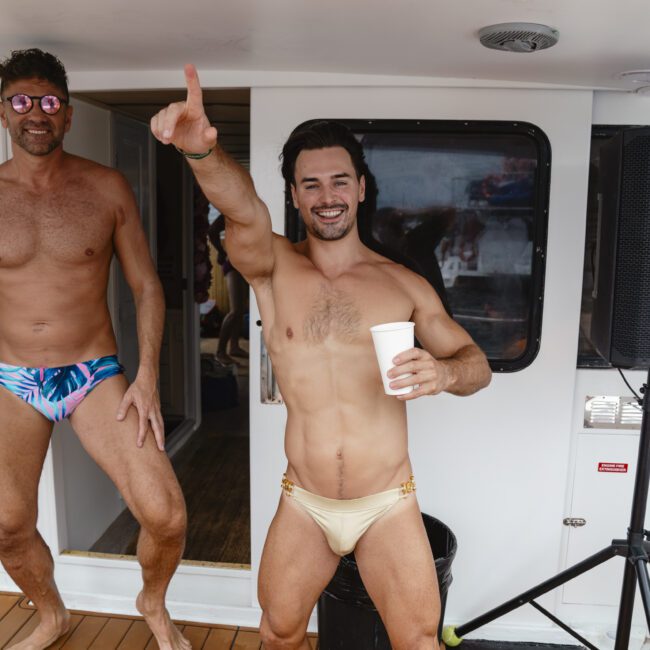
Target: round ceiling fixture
x,y
635,76
518,37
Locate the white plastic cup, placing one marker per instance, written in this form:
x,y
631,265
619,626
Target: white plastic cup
x,y
390,339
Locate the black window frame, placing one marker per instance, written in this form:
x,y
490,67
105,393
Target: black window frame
x,y
542,185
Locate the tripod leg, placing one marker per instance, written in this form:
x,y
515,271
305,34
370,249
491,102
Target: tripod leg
x,y
626,607
514,603
644,585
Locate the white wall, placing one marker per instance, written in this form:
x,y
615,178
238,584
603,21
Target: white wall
x,y
492,466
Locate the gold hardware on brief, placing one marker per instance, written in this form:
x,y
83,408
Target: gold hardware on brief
x,y
408,486
287,485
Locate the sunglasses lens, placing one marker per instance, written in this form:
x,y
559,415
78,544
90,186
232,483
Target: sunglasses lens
x,y
21,103
50,104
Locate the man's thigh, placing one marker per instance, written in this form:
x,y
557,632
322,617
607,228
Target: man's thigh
x,y
144,474
396,565
297,564
24,439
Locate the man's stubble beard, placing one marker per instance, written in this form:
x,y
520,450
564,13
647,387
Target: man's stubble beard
x,y
21,139
333,234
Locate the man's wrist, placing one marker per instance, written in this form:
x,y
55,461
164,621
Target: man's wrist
x,y
194,156
448,368
147,373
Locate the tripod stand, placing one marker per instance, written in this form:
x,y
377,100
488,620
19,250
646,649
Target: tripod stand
x,y
635,549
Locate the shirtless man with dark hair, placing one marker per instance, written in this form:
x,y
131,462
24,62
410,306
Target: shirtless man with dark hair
x,y
348,483
61,219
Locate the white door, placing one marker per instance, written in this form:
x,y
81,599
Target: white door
x,y
602,495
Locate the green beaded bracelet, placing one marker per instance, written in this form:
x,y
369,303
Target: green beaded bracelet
x,y
195,156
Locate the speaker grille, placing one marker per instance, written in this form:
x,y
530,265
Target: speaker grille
x,y
631,335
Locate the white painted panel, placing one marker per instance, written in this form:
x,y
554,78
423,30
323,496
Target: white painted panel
x,y
492,466
604,500
621,108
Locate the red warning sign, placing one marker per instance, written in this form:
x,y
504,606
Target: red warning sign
x,y
613,468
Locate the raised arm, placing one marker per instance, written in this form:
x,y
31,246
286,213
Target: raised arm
x,y
226,184
450,360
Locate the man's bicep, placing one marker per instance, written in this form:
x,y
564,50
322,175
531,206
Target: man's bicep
x,y
438,333
129,239
250,245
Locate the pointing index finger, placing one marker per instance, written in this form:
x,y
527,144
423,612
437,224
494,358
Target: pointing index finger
x,y
194,93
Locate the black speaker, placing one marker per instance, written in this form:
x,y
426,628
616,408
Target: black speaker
x,y
620,327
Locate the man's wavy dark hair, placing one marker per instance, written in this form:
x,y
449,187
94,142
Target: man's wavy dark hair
x,y
33,63
319,135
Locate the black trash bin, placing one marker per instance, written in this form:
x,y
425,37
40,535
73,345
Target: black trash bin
x,y
347,618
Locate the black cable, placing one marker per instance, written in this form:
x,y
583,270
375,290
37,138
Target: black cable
x,y
638,399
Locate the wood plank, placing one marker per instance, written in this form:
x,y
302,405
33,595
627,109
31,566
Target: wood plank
x,y
247,640
85,633
112,634
7,601
11,623
75,619
219,639
196,635
137,637
25,630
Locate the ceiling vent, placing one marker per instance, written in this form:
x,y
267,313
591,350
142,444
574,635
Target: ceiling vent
x,y
518,37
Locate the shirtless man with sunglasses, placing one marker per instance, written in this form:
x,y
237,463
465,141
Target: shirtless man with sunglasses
x,y
61,219
348,483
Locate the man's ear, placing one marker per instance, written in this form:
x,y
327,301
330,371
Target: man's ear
x,y
3,115
294,196
362,189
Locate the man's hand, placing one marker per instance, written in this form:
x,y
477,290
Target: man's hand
x,y
428,376
185,124
143,394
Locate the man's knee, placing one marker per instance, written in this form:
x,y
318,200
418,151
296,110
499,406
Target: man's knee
x,y
424,638
16,528
165,517
282,633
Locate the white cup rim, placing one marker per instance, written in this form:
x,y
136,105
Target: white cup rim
x,y
391,327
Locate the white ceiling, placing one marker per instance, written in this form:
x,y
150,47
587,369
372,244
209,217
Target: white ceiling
x,y
428,38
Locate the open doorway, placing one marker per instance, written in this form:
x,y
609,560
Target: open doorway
x,y
206,419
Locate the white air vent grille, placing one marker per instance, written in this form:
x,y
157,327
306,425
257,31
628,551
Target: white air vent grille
x,y
612,412
518,37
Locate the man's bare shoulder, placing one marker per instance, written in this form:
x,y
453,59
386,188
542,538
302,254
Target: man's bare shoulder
x,y
410,282
105,182
5,171
92,171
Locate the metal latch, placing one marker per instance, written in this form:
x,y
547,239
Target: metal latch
x,y
576,522
269,391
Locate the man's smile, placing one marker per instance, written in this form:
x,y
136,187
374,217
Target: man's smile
x,y
329,214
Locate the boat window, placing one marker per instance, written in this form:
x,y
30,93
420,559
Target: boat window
x,y
464,204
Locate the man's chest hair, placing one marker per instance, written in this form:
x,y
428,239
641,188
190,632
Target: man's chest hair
x,y
332,312
62,224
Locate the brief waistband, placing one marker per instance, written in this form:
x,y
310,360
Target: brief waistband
x,y
346,505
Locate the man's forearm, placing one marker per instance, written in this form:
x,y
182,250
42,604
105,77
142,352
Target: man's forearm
x,y
468,371
226,184
150,314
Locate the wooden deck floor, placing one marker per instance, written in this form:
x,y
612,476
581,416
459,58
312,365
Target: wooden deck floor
x,y
105,632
